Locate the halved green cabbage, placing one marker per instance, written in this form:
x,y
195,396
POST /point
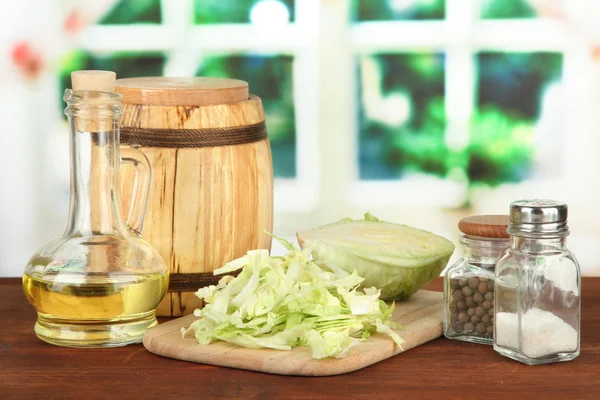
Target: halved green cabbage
x,y
398,259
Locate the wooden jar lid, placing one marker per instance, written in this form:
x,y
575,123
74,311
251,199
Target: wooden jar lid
x,y
197,91
490,226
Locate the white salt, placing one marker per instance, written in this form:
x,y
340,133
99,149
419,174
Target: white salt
x,y
542,333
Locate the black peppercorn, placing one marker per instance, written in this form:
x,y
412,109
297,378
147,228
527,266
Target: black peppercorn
x,y
486,305
480,328
486,319
461,306
457,295
479,311
454,283
491,312
453,307
473,282
478,297
489,296
462,282
475,319
463,317
471,311
482,288
468,327
469,301
489,330
490,285
467,291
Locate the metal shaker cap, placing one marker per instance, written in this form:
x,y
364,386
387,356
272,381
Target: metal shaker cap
x,y
538,216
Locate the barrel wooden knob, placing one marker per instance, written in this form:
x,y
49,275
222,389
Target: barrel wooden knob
x,y
489,226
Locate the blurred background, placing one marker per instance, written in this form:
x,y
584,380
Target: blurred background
x,y
419,111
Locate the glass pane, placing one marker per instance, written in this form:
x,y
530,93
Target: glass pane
x,y
381,10
508,120
244,11
133,12
401,115
125,65
520,8
270,78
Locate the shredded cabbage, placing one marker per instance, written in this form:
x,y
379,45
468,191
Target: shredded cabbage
x,y
288,301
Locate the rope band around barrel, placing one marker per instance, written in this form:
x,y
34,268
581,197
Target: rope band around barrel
x,y
193,282
190,138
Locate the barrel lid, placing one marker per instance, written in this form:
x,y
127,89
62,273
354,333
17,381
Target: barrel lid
x,y
192,91
490,226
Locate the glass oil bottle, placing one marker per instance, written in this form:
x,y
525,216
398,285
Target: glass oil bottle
x,y
98,285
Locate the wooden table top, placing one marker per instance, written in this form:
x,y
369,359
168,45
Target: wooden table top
x,y
30,369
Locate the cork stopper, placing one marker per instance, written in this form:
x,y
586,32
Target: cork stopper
x,y
101,81
97,88
489,226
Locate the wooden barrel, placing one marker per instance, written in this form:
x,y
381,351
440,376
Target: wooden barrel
x,y
211,193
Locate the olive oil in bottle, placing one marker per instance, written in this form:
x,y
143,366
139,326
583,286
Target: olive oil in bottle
x,y
120,307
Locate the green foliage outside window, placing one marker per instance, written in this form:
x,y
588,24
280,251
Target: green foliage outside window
x,y
133,12
506,9
501,127
205,11
381,10
386,152
230,11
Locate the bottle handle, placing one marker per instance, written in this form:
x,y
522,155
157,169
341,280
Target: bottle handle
x,y
141,187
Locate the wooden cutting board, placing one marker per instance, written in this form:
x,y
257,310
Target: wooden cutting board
x,y
420,316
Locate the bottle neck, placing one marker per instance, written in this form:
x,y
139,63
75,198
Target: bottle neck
x,y
539,244
482,251
95,199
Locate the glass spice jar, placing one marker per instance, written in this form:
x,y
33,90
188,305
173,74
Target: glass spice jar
x,y
469,283
537,287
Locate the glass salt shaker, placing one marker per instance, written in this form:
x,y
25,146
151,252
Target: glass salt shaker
x,y
538,286
469,283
